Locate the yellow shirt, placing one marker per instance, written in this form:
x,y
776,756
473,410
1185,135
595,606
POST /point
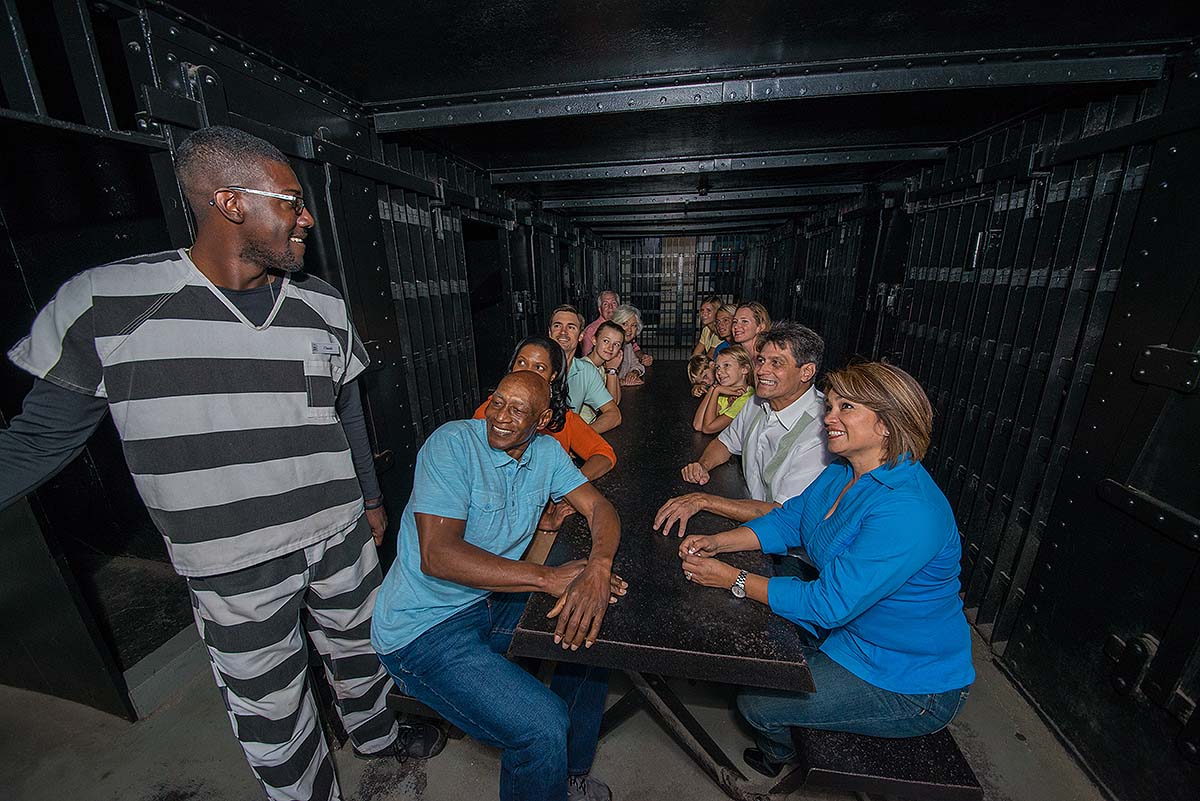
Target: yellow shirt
x,y
730,407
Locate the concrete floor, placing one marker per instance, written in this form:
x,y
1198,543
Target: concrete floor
x,y
52,749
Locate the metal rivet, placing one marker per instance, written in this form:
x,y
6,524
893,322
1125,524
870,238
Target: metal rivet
x,y
134,47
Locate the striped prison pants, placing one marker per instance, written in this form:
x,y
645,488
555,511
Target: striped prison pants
x,y
254,623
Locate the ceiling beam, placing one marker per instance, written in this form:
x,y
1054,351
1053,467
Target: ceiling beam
x,y
691,215
529,104
807,158
708,197
687,230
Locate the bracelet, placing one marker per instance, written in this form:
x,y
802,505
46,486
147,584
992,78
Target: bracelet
x,y
375,504
610,371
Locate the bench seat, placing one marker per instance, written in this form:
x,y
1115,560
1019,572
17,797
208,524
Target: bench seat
x,y
928,768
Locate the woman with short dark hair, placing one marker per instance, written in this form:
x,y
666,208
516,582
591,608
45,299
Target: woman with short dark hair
x,y
543,356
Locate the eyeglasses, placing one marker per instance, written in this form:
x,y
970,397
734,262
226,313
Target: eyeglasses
x,y
296,201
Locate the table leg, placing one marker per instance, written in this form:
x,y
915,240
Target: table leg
x,y
667,707
621,711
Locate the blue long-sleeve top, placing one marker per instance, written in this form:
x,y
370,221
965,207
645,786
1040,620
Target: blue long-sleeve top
x,y
889,583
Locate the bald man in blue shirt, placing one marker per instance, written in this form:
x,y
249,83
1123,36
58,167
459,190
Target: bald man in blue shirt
x,y
447,609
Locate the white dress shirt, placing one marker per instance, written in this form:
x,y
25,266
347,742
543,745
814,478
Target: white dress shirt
x,y
782,452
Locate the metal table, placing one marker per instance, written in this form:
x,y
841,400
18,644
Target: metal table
x,y
667,626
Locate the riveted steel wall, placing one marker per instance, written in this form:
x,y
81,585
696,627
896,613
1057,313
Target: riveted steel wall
x,y
1016,279
134,82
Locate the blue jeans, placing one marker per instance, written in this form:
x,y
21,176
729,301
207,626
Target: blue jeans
x,y
458,668
842,702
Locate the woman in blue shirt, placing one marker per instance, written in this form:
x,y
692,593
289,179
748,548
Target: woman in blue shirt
x,y
893,652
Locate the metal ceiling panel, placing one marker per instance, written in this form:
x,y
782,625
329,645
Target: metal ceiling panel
x,y
425,48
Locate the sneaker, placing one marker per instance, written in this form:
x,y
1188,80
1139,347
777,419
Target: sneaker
x,y
585,788
762,763
413,741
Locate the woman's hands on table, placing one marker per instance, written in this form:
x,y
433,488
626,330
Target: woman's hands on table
x,y
584,590
708,572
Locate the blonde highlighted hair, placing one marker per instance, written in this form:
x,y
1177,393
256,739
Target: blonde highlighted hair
x,y
894,395
743,359
761,315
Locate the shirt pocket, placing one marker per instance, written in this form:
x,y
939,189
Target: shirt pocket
x,y
319,388
486,521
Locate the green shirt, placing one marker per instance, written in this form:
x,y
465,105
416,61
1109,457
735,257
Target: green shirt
x,y
585,389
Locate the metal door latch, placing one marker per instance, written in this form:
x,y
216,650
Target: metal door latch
x,y
1168,367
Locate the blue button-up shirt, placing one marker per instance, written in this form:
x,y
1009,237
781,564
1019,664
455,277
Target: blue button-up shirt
x,y
459,475
888,589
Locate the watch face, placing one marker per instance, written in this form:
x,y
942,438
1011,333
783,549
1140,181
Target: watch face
x,y
738,592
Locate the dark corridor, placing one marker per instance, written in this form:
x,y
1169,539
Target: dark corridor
x,y
1000,198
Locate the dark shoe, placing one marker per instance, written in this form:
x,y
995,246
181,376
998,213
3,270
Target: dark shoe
x,y
762,763
413,741
585,788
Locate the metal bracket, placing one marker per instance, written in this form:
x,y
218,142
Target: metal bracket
x,y
337,155
1131,666
1164,366
1172,523
207,89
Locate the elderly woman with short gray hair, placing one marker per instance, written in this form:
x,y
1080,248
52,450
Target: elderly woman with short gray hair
x,y
633,362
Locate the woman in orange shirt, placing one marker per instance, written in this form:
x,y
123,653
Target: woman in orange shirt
x,y
544,357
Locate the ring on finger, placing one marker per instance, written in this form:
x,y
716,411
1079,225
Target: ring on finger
x,y
687,574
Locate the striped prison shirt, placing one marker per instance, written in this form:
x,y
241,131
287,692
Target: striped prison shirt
x,y
229,429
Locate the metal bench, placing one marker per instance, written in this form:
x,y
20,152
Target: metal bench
x,y
928,768
408,706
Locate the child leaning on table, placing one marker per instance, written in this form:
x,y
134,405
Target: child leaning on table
x,y
701,374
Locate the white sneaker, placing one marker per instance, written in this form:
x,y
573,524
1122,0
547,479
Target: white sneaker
x,y
585,788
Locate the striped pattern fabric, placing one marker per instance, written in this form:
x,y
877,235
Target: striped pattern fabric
x,y
254,623
229,429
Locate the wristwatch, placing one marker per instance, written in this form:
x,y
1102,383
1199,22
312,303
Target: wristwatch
x,y
739,587
610,371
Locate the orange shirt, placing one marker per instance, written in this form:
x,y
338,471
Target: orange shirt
x,y
577,437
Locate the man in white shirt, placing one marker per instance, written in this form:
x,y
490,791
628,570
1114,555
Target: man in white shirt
x,y
780,434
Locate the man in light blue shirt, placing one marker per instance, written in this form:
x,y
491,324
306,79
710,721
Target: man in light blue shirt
x,y
447,609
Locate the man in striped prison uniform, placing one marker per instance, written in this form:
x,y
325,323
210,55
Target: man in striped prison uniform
x,y
231,380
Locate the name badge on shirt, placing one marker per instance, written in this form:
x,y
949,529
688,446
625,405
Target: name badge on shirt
x,y
325,349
